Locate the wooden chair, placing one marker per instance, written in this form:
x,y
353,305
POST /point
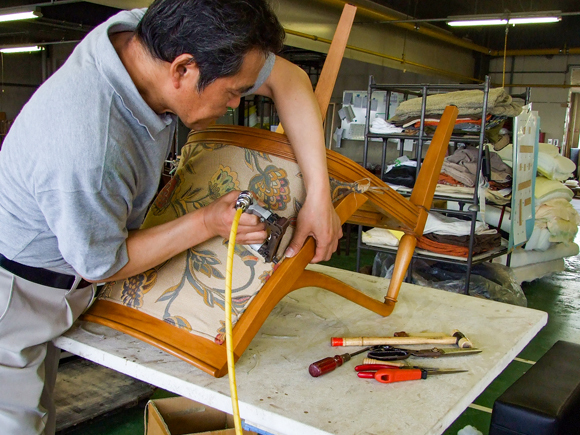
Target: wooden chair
x,y
388,209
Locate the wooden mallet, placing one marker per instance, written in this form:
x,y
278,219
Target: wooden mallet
x,y
457,338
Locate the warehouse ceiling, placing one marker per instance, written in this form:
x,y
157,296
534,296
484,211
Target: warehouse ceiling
x,y
560,35
70,20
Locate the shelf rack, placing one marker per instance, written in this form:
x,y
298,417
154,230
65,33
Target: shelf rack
x,y
469,207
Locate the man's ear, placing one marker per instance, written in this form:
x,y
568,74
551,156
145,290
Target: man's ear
x,y
183,69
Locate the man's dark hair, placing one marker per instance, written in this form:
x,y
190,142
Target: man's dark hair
x,y
217,33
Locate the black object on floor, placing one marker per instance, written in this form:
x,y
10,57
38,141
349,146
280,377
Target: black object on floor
x,y
85,391
545,400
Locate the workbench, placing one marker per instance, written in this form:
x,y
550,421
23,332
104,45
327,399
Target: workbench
x,y
278,395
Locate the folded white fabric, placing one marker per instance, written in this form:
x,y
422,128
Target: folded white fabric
x,y
379,237
380,126
446,225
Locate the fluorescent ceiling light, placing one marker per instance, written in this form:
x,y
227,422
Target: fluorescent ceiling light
x,y
505,19
533,20
14,14
20,49
491,22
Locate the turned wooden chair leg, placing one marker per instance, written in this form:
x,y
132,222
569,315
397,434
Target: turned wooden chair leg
x,y
310,278
404,256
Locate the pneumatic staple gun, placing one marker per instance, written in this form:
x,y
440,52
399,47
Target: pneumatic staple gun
x,y
275,225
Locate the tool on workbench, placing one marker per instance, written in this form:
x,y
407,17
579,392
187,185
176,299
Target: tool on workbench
x,y
328,364
457,338
275,226
390,353
388,375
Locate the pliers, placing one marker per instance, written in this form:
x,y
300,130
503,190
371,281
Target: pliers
x,y
390,353
387,374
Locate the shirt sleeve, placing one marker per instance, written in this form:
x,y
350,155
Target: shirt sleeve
x,y
264,73
90,229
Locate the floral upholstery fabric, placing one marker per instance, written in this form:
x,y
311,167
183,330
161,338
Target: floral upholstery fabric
x,y
188,290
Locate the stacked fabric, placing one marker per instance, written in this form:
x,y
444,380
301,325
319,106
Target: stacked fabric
x,y
470,104
458,175
402,172
550,163
442,235
556,220
451,236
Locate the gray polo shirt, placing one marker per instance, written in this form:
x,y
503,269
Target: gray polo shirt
x,y
82,162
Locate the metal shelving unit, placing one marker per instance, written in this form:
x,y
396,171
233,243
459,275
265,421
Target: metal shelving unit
x,y
469,207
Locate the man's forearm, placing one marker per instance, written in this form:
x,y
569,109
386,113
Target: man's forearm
x,y
152,246
300,116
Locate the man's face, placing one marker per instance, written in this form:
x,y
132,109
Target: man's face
x,y
198,110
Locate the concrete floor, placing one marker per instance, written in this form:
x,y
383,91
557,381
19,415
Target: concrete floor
x,y
557,294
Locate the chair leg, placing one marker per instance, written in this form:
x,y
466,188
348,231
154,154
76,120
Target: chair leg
x,y
404,257
309,278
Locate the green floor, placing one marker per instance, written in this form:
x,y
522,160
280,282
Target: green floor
x,y
558,294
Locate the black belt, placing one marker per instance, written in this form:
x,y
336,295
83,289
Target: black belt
x,y
41,276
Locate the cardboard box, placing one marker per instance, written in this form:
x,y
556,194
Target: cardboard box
x,y
181,416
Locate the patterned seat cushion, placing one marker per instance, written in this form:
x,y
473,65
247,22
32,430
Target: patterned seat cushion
x,y
188,290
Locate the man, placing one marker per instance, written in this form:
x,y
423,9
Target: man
x,y
83,159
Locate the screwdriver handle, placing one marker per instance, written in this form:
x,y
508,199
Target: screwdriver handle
x,y
327,365
388,376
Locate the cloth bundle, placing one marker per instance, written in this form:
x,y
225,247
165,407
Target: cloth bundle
x,y
559,218
446,225
550,163
380,126
450,236
459,172
550,189
469,103
462,166
458,246
381,237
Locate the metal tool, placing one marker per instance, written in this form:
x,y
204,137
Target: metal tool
x,y
275,226
328,364
390,353
389,375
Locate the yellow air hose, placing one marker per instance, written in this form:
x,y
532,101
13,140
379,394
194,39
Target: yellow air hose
x,y
228,309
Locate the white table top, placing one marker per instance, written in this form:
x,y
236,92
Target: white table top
x,y
278,395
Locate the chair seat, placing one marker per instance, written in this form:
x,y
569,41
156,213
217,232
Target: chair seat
x,y
188,290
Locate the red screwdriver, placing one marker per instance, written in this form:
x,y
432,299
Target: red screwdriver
x,y
328,364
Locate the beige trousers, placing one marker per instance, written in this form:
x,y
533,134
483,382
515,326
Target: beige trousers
x,y
31,315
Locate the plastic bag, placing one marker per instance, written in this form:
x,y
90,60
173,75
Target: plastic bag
x,y
488,280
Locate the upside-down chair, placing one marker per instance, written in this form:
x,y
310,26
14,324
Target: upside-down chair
x,y
178,305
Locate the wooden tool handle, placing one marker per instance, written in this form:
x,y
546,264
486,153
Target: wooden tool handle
x,y
373,341
377,361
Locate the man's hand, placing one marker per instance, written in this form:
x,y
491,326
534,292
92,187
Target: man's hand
x,y
219,215
319,220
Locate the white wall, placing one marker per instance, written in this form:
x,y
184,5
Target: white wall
x,y
354,75
550,102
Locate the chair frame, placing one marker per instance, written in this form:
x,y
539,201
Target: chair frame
x,y
387,209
